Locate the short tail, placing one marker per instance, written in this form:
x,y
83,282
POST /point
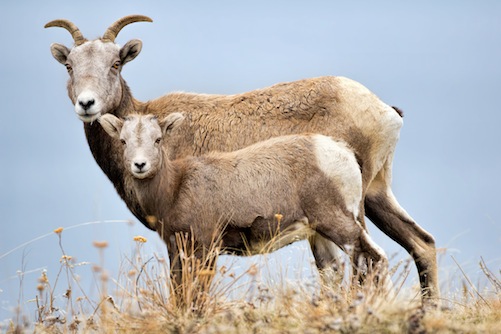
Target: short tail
x,y
399,111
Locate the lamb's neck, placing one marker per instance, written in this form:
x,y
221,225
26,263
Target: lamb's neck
x,y
157,195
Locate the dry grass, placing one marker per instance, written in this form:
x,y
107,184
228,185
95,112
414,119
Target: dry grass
x,y
139,300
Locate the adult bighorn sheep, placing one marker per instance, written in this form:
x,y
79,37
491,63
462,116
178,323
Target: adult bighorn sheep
x,y
313,180
335,106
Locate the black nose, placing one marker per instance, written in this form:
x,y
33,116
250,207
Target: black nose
x,y
86,104
140,165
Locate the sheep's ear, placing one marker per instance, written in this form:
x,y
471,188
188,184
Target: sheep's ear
x,y
130,50
171,122
59,52
111,124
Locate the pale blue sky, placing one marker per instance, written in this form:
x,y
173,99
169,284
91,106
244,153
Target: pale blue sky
x,y
439,62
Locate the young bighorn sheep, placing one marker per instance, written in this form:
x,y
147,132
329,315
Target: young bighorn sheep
x,y
335,106
311,179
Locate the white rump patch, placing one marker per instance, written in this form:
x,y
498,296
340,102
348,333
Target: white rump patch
x,y
338,162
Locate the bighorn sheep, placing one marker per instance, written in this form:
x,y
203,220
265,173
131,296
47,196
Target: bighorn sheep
x,y
311,179
335,106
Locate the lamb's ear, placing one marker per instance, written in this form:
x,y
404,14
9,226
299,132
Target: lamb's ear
x,y
171,122
59,52
111,124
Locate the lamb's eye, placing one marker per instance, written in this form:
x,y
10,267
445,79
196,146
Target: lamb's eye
x,y
158,140
122,141
68,67
116,65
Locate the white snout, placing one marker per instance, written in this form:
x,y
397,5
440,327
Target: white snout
x,y
88,106
140,168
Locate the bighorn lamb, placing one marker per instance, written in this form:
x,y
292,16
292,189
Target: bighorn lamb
x,y
311,179
333,106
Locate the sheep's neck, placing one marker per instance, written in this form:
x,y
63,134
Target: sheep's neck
x,y
107,151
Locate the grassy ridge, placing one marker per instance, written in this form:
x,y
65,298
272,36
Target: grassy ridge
x,y
139,300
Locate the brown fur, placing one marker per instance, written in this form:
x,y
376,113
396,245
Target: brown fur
x,y
223,123
237,194
334,106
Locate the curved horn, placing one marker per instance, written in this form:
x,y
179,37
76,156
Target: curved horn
x,y
71,27
112,32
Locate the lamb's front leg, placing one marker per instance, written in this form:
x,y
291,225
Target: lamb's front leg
x,y
176,269
192,271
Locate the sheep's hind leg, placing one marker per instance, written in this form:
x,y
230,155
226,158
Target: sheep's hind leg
x,y
383,210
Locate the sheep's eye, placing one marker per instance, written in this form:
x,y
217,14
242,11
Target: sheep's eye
x,y
122,141
68,67
158,140
116,65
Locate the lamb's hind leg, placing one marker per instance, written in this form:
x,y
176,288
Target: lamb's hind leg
x,y
382,208
349,235
327,257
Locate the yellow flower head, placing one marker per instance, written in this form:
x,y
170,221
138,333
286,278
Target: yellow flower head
x,y
100,244
151,220
65,258
140,238
58,230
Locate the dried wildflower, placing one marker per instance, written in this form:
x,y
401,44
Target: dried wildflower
x,y
206,272
58,230
43,278
40,287
110,300
223,270
278,217
65,258
152,220
100,244
253,270
104,276
140,239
